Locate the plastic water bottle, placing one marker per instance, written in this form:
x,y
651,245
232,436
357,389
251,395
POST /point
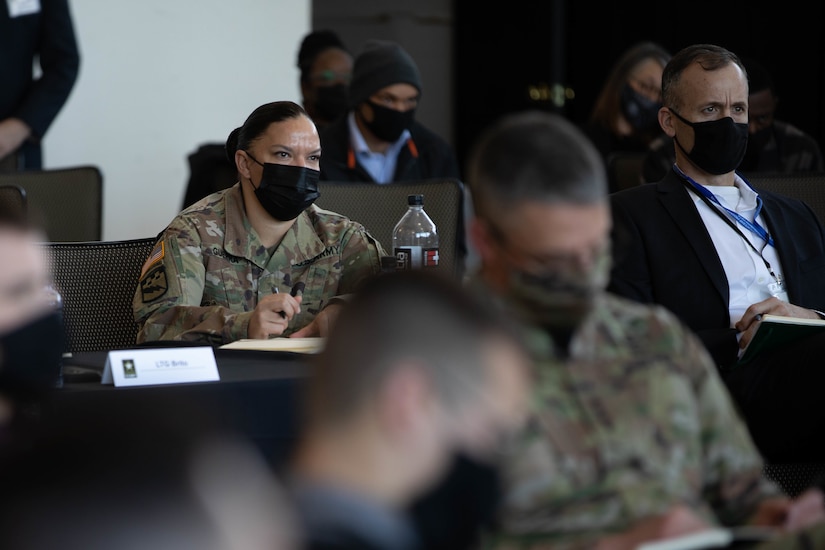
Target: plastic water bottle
x,y
415,239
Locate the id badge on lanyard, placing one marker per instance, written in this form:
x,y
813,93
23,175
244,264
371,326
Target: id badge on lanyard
x,y
777,289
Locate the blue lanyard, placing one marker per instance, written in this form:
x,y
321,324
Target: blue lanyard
x,y
754,227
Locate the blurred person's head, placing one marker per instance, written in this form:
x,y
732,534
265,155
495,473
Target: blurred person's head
x,y
630,99
165,474
277,152
326,71
384,90
542,220
416,371
762,97
762,103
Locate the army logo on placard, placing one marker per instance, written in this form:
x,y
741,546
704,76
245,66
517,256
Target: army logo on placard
x,y
129,370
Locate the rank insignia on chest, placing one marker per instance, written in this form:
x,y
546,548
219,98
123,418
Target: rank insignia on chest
x,y
153,285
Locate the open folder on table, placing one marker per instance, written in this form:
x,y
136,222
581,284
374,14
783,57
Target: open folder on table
x,y
775,331
296,345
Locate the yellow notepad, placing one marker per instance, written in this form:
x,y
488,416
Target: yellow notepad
x,y
297,345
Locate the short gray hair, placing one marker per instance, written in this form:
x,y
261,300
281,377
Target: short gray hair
x,y
534,156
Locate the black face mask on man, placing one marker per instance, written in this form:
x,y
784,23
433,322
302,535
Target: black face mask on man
x,y
718,145
285,191
388,124
640,111
332,101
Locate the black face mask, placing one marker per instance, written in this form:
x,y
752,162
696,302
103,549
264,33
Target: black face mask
x,y
388,124
640,111
30,356
332,101
285,191
718,145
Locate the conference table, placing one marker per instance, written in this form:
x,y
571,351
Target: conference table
x,y
257,395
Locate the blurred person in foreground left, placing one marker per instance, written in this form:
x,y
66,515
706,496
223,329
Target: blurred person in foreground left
x,y
31,329
414,372
163,474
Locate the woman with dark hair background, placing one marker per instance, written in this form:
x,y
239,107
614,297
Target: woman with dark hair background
x,y
625,115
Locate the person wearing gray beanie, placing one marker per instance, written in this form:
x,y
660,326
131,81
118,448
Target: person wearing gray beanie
x,y
381,64
379,140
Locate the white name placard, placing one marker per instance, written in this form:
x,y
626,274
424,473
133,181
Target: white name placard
x,y
141,367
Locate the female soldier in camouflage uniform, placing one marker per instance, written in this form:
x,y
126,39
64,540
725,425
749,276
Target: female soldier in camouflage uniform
x,y
258,259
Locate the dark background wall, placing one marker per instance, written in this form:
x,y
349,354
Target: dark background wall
x,y
504,54
479,62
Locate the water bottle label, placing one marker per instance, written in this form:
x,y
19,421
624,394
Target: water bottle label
x,y
408,257
430,257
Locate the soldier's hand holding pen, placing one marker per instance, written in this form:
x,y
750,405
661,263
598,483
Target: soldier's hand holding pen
x,y
272,314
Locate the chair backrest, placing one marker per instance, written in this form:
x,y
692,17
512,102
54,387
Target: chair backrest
x,y
379,207
68,202
97,281
807,186
795,478
13,200
624,169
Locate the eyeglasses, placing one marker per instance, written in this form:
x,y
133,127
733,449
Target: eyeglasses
x,y
546,262
330,76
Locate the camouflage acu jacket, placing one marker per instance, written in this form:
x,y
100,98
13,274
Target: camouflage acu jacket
x,y
209,269
636,420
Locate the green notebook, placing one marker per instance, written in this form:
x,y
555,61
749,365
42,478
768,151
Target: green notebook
x,y
775,331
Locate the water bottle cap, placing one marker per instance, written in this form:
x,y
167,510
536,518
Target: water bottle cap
x,y
415,200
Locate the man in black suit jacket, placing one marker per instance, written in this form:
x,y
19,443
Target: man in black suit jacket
x,y
32,32
720,254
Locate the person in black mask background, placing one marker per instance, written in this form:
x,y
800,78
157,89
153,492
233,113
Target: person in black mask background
x,y
774,145
380,140
258,259
326,71
706,245
624,116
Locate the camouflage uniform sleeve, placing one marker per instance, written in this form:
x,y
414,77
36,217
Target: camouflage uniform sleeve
x,y
733,478
168,303
361,256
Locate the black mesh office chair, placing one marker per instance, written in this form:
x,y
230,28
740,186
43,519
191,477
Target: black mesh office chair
x,y
624,169
810,188
97,280
66,202
795,478
807,186
379,207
